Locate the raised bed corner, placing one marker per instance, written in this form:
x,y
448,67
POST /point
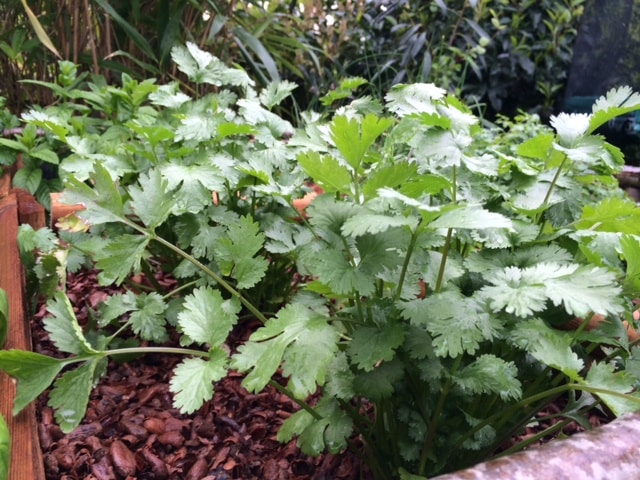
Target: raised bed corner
x,y
26,456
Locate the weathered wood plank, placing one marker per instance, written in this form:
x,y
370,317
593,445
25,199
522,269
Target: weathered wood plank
x,y
30,212
26,457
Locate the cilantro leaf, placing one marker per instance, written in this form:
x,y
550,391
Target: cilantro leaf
x,y
570,126
603,375
151,200
63,327
611,215
206,318
548,346
331,432
416,98
120,257
353,137
370,345
630,246
379,383
275,92
326,171
340,378
202,67
70,395
147,320
490,374
616,102
235,253
470,216
192,186
297,336
579,289
33,371
193,378
457,323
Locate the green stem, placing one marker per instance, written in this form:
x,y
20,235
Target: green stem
x,y
547,197
443,262
407,258
447,243
173,350
301,403
435,418
505,413
217,278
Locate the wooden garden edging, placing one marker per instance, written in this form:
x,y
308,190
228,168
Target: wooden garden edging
x,y
17,207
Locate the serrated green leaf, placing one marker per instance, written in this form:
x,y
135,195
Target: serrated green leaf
x,y
120,258
611,215
548,346
5,449
34,373
301,339
4,317
471,216
379,383
207,318
390,176
330,432
115,306
343,90
616,102
603,375
275,92
580,290
151,199
570,127
70,395
148,320
235,253
415,98
102,203
202,67
193,378
63,327
490,374
630,246
375,223
457,324
340,378
192,185
370,345
354,138
326,171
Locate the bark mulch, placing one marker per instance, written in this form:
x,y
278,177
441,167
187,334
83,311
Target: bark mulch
x,y
132,431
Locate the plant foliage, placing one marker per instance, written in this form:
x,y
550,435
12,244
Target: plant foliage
x,y
435,269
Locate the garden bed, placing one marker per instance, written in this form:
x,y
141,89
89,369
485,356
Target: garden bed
x,y
132,429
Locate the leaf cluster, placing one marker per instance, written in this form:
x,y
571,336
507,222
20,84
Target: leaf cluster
x,y
435,269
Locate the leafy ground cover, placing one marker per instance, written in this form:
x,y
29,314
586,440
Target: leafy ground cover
x,y
411,313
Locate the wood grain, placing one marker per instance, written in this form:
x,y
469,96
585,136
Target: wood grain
x,y
26,457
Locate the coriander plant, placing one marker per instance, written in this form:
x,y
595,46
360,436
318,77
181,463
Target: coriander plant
x,y
434,273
